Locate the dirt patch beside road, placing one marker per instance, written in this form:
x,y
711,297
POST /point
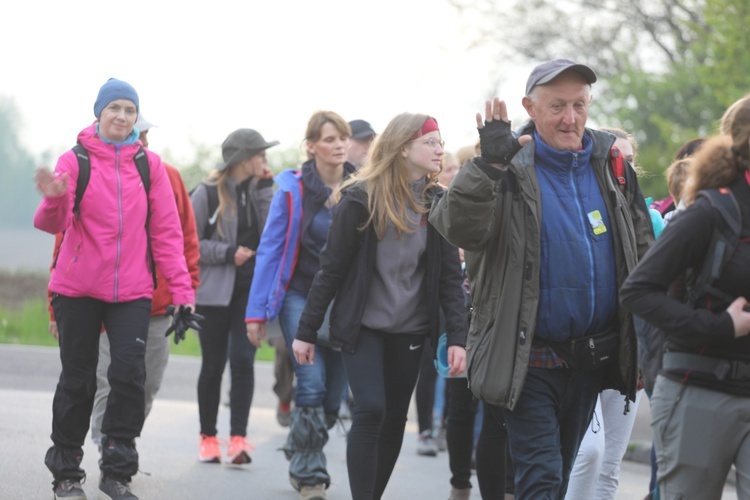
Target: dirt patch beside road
x,y
19,287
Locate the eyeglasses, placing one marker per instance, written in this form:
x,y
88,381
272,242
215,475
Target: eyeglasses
x,y
432,142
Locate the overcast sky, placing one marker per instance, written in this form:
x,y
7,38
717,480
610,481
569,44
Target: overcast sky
x,y
202,72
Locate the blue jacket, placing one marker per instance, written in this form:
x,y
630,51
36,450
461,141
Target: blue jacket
x,y
282,238
577,281
278,249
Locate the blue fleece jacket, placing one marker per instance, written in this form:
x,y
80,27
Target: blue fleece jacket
x,y
578,285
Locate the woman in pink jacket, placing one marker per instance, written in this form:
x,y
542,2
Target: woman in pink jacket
x,y
102,277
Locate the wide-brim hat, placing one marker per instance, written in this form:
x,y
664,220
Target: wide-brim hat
x,y
240,145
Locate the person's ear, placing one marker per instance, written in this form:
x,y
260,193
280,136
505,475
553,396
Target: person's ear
x,y
404,151
528,105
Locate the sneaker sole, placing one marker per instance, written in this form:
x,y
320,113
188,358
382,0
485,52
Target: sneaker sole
x,y
103,496
79,497
427,453
241,459
214,460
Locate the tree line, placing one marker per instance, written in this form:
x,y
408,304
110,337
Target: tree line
x,y
667,68
667,71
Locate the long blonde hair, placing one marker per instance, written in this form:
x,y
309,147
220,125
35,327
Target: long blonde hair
x,y
385,178
723,158
218,178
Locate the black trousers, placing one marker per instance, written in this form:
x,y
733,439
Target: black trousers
x,y
382,373
223,333
494,467
79,323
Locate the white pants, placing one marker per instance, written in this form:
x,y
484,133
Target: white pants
x,y
157,355
596,471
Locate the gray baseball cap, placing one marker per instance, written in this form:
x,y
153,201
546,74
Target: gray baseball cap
x,y
361,129
548,71
240,145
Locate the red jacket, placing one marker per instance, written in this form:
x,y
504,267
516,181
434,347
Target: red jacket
x,y
162,297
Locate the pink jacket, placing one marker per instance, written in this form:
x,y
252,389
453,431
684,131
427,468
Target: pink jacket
x,y
104,253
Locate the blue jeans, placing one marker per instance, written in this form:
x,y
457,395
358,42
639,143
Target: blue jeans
x,y
319,384
546,427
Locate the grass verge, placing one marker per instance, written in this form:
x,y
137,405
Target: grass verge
x,y
29,325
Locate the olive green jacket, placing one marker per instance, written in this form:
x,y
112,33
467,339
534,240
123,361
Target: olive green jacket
x,y
495,216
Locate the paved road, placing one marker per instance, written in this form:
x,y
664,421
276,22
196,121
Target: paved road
x,y
169,445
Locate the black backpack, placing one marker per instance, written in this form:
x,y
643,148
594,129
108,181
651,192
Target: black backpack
x,y
700,284
84,174
724,240
212,191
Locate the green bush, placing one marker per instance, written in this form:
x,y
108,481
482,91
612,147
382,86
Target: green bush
x,y
29,325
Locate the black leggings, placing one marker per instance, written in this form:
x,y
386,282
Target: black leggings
x,y
494,467
425,393
382,373
224,331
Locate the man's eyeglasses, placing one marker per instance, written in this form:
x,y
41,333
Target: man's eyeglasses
x,y
432,142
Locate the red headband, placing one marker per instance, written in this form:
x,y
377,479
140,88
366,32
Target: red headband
x,y
429,125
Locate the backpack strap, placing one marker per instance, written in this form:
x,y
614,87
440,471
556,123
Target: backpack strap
x,y
724,241
617,164
212,191
84,174
144,170
82,182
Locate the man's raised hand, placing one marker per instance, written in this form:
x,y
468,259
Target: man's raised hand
x,y
497,143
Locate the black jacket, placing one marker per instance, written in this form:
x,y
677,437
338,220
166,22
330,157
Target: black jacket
x,y
706,329
314,195
346,267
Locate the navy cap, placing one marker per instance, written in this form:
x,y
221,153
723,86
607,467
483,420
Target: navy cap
x,y
361,129
548,71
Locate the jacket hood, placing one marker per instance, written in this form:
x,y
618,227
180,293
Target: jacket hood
x,y
714,165
89,139
286,179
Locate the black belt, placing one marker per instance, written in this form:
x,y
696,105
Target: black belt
x,y
722,369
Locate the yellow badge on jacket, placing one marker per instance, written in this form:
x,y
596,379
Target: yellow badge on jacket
x,y
597,224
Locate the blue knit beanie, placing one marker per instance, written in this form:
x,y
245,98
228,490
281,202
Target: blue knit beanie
x,y
111,91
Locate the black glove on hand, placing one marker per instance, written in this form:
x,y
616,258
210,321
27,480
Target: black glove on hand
x,y
497,142
184,319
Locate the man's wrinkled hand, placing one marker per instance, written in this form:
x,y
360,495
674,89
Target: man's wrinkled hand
x,y
497,143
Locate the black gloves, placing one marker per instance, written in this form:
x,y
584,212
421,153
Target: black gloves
x,y
497,142
184,319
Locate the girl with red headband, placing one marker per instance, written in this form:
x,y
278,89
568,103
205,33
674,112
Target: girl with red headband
x,y
390,272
